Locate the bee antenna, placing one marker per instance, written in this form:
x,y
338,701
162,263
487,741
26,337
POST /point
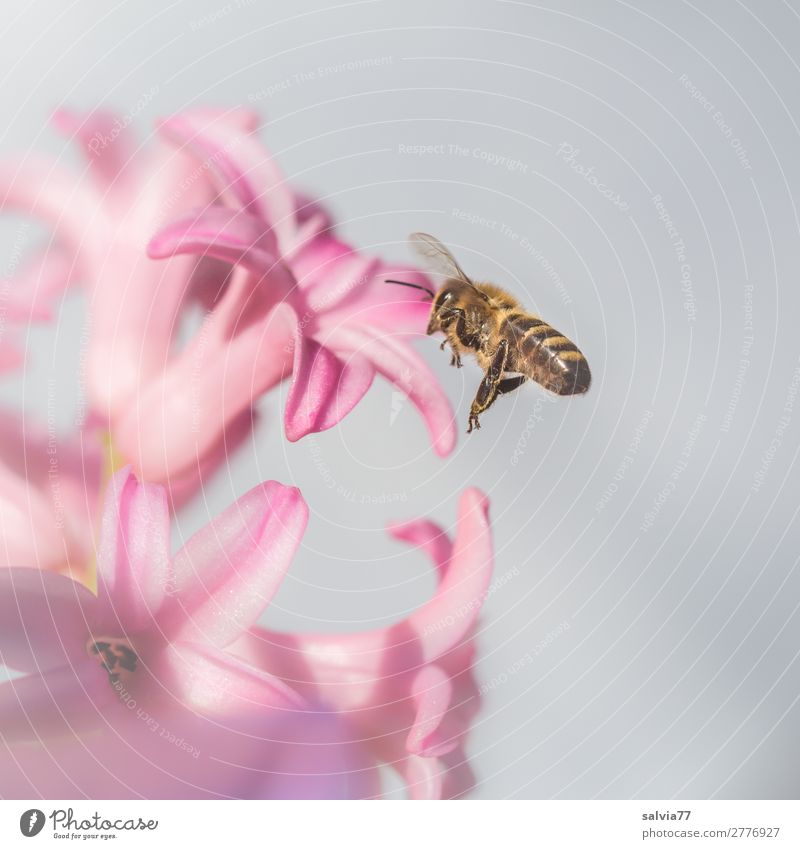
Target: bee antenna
x,y
412,286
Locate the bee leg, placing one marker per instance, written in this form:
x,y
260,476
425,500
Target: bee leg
x,y
488,388
509,384
455,360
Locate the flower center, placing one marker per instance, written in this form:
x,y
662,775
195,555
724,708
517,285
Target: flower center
x,y
115,656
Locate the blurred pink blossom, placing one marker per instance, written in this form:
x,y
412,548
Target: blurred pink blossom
x,y
130,692
299,302
408,689
162,685
282,296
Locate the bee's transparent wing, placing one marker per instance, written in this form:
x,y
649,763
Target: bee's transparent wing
x,y
438,256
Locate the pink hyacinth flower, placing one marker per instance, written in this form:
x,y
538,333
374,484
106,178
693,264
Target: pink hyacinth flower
x,y
101,221
299,303
408,689
130,692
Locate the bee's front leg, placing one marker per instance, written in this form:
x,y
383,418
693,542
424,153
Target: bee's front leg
x,y
487,391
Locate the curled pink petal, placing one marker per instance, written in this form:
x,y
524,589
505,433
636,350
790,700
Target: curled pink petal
x,y
226,234
133,562
227,573
244,167
428,536
397,362
431,692
324,388
450,615
43,619
423,777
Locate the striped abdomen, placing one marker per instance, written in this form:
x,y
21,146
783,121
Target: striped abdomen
x,y
545,355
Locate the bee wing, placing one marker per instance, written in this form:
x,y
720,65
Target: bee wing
x,y
438,256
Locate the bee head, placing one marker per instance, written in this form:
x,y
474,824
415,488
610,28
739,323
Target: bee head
x,y
441,312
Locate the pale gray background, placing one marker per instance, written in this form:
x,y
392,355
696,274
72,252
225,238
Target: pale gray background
x,y
678,674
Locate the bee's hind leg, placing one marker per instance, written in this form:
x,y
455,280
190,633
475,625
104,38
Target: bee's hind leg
x,y
490,385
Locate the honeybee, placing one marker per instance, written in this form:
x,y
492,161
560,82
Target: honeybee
x,y
510,344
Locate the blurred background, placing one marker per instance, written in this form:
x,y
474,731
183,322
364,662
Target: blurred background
x,y
629,171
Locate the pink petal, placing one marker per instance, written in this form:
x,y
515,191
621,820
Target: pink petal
x,y
428,536
41,525
244,168
379,305
133,562
61,701
445,621
239,118
43,619
238,353
397,362
227,573
431,692
182,488
10,356
227,234
423,777
35,289
210,681
39,187
324,388
331,273
104,138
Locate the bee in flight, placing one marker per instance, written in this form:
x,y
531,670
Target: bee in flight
x,y
510,344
